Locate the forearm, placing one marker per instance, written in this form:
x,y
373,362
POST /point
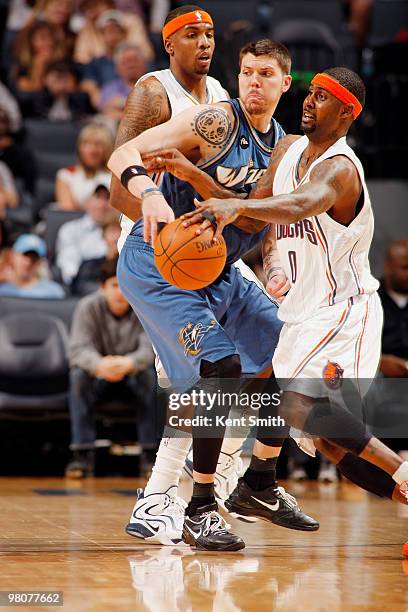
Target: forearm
x,y
271,261
288,208
143,356
123,201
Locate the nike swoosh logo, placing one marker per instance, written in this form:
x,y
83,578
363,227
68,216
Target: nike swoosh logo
x,y
273,507
193,533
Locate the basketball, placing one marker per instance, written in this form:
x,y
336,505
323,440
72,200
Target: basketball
x,y
188,260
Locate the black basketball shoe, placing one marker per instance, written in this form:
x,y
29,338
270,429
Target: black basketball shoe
x,y
272,504
207,530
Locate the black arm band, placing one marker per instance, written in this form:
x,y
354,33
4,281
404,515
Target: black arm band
x,y
130,173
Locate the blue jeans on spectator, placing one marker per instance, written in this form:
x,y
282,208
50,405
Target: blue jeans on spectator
x,y
86,390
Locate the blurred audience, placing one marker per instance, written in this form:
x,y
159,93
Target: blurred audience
x,y
17,156
90,42
36,47
57,13
130,66
61,99
76,183
9,104
82,239
101,70
394,298
8,192
110,358
27,267
89,273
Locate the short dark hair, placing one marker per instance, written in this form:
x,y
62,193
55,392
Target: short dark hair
x,y
63,67
181,10
271,48
108,269
350,80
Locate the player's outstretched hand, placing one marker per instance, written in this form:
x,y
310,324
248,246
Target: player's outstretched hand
x,y
155,210
278,286
213,212
169,160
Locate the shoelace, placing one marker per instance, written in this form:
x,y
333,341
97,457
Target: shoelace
x,y
288,497
176,506
214,523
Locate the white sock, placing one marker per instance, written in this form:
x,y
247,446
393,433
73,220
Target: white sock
x,y
401,475
169,463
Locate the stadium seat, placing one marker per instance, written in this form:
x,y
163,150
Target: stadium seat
x,y
52,136
388,17
49,162
59,309
54,218
312,44
33,363
327,11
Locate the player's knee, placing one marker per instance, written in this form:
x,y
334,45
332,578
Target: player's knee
x,y
332,452
228,367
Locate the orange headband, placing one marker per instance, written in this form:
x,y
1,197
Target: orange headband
x,y
338,91
182,20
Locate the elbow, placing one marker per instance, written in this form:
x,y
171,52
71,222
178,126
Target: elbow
x,y
296,213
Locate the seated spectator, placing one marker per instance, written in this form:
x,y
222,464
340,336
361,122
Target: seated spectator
x,y
24,278
82,239
61,99
89,42
110,357
36,47
130,66
75,184
8,192
101,70
16,156
394,297
9,104
89,273
57,13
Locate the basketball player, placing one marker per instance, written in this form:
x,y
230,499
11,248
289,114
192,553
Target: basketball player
x,y
332,314
229,135
156,97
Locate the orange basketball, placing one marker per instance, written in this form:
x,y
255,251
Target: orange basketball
x,y
188,260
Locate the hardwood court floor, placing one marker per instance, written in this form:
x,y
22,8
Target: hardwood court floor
x,y
76,544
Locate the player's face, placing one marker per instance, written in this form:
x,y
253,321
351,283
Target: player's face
x,y
261,83
192,47
321,111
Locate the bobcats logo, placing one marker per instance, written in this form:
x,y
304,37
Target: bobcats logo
x,y
333,375
191,336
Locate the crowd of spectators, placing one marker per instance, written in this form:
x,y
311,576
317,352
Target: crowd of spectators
x,y
74,62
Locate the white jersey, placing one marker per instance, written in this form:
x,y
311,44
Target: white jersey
x,y
326,262
180,99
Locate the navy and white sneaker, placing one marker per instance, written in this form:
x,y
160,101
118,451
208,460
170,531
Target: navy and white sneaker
x,y
207,530
158,518
229,469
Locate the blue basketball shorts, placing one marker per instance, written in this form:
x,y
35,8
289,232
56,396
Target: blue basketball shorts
x,y
232,316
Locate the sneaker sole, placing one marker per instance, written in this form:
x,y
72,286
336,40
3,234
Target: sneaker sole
x,y
188,539
240,515
158,538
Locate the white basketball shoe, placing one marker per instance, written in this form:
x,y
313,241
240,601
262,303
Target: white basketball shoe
x,y
158,518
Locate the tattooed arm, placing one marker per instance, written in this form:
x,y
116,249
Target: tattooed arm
x,y
147,105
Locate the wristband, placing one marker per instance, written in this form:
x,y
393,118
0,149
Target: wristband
x,y
149,192
130,173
